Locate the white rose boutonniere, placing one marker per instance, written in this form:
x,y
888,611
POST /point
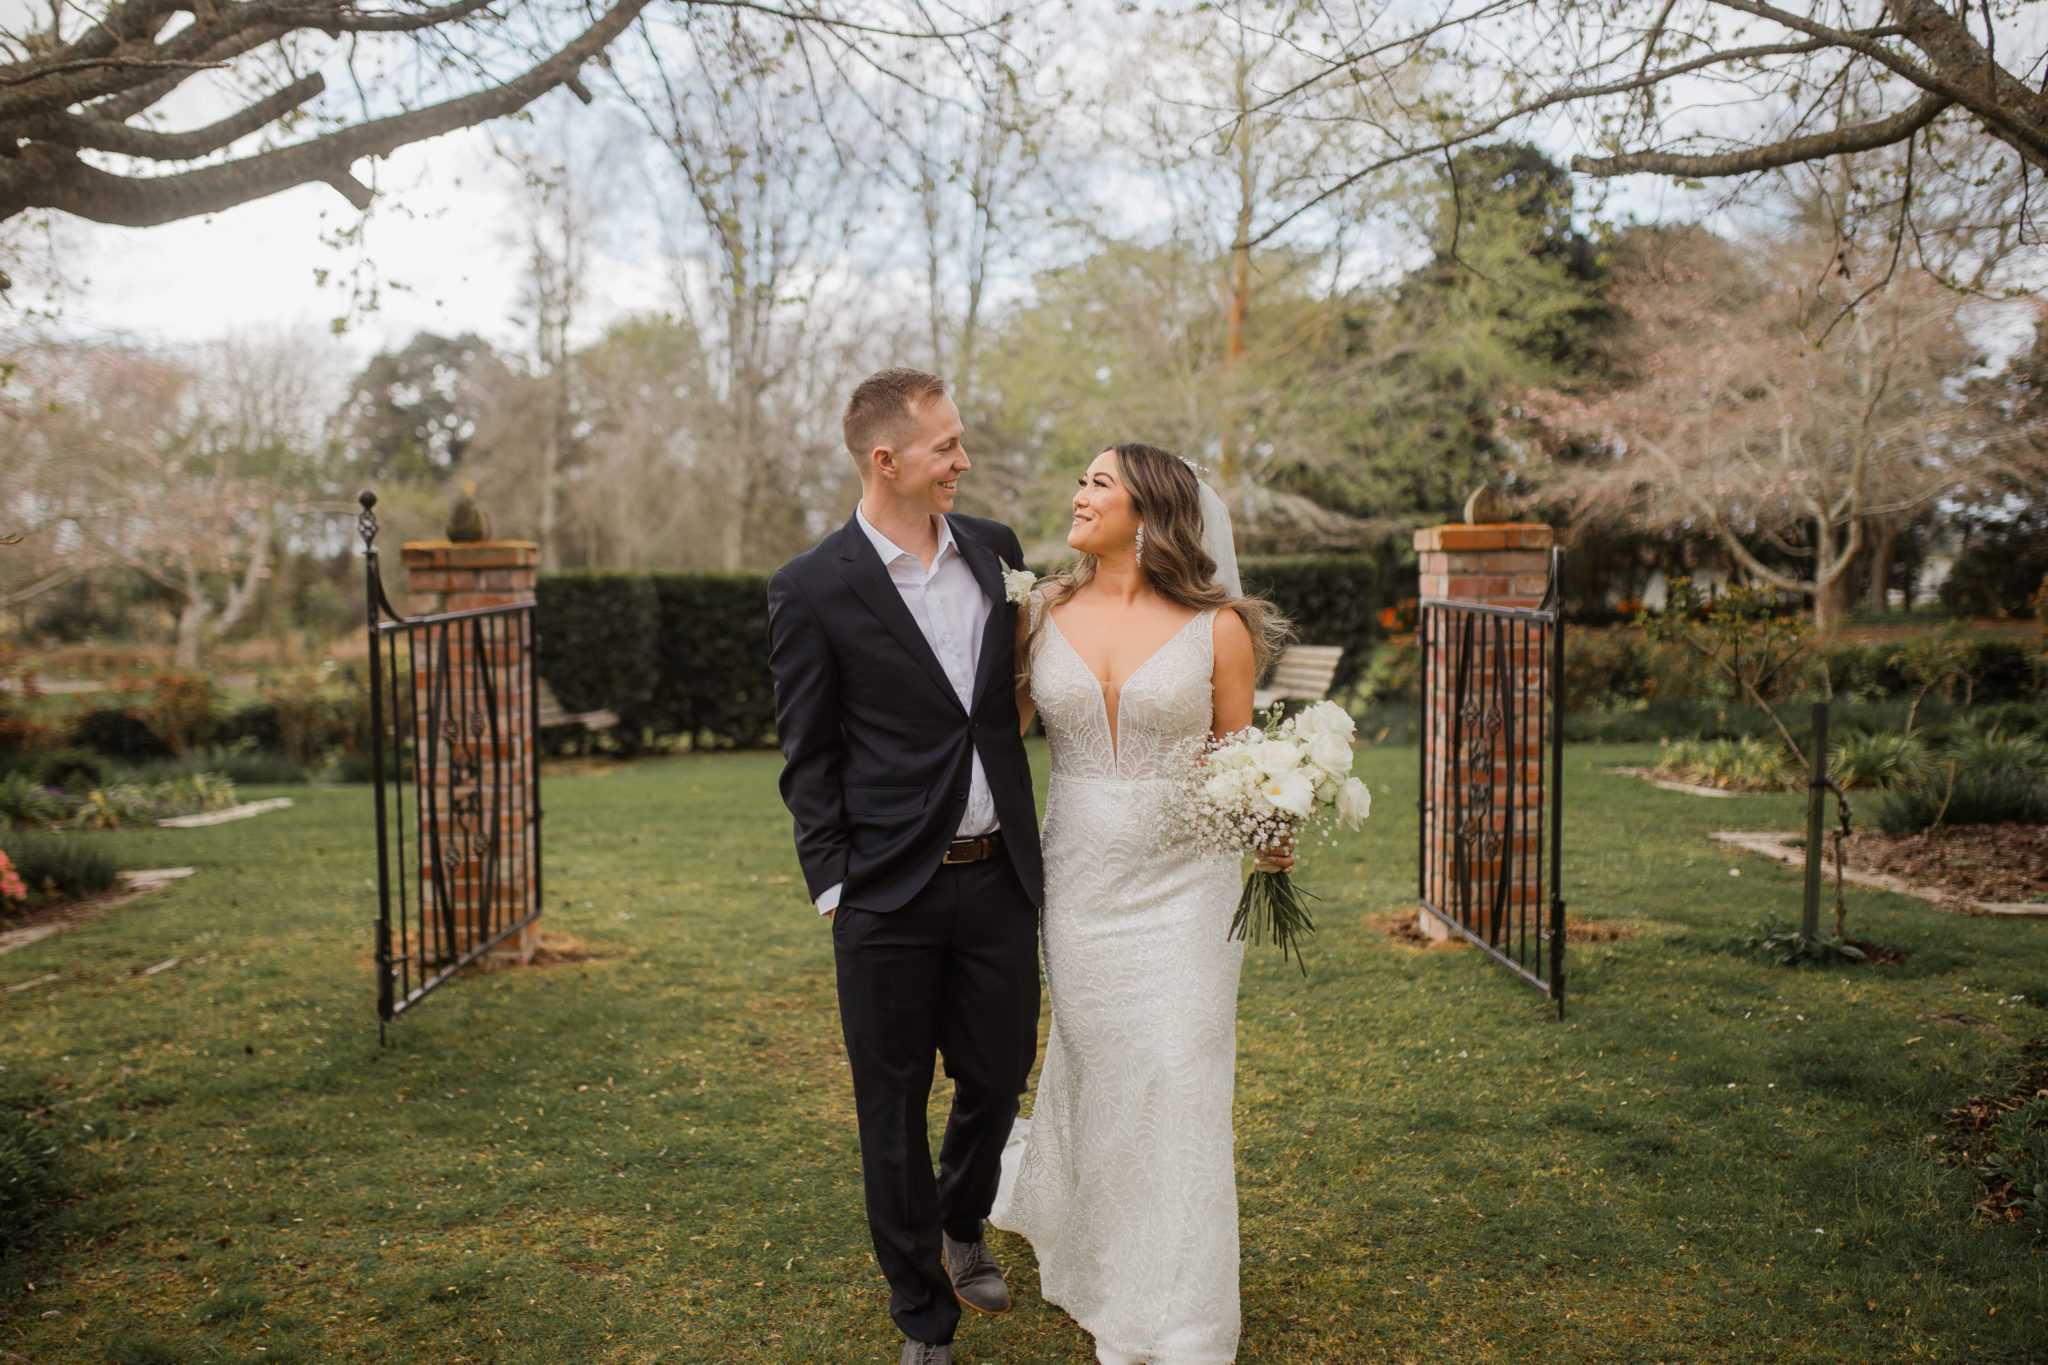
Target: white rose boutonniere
x,y
1017,585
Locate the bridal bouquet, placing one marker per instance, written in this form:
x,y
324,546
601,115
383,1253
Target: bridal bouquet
x,y
1258,790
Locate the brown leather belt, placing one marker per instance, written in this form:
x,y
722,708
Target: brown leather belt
x,y
972,850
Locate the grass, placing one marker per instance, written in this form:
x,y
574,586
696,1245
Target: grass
x,y
650,1156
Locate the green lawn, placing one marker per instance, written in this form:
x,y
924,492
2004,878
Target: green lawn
x,y
650,1156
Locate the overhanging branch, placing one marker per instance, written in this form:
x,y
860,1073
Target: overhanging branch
x,y
1861,137
45,176
106,135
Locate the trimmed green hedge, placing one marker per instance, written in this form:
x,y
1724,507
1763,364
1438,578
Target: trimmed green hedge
x,y
2000,669
712,680
599,636
1331,599
686,654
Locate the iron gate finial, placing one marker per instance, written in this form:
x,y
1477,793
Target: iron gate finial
x,y
366,520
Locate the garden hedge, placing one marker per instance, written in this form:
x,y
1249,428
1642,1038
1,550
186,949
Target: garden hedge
x,y
686,654
599,635
1998,669
712,680
1331,599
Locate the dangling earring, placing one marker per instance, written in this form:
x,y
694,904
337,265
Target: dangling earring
x,y
1138,547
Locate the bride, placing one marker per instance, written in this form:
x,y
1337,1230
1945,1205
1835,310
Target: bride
x,y
1123,1178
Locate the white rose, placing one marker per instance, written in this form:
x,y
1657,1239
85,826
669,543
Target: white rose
x,y
1017,585
1327,785
1291,792
1230,757
1331,753
1276,756
1226,788
1354,803
1325,718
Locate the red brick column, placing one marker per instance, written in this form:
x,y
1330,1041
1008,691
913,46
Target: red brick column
x,y
1505,565
484,688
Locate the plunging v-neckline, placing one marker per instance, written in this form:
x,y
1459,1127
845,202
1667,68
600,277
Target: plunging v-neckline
x,y
1111,723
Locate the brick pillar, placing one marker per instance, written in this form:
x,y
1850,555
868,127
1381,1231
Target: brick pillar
x,y
483,690
1505,565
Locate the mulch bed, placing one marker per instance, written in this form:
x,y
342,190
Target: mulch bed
x,y
2003,863
1971,1124
1400,926
1878,954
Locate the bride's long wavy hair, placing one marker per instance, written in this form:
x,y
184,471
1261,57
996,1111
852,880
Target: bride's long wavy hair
x,y
1167,498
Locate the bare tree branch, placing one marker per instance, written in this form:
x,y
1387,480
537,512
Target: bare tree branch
x,y
52,176
106,135
1861,137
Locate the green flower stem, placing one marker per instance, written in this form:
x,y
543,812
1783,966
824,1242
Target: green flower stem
x,y
1272,907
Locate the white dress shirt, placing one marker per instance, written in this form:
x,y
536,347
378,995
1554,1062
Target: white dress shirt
x,y
951,611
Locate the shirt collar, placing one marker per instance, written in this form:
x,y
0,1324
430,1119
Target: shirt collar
x,y
890,551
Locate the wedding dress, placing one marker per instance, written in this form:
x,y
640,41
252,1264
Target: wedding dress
x,y
1123,1177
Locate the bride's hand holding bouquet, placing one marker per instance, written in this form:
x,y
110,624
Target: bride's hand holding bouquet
x,y
1256,791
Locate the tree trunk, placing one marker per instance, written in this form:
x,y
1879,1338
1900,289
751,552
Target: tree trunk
x,y
190,652
1879,591
1240,271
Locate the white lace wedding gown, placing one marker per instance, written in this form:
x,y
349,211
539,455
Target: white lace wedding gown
x,y
1123,1177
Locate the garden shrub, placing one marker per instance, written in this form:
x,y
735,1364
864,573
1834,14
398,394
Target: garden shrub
x,y
29,1180
1977,778
1880,759
119,735
1989,749
139,803
1743,764
242,763
2002,670
1779,940
1331,599
599,639
182,708
1862,672
712,679
1602,667
1971,798
1394,677
2021,1157
73,770
1997,571
59,864
299,723
26,801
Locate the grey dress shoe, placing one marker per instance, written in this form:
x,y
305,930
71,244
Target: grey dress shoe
x,y
977,1279
924,1353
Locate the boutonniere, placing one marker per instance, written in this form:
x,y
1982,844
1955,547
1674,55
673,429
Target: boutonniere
x,y
1017,584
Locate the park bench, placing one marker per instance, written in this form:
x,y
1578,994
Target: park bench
x,y
552,714
1304,673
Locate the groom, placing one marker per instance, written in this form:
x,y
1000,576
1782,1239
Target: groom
x,y
892,647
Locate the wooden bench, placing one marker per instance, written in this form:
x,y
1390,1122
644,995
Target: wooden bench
x,y
552,714
1304,673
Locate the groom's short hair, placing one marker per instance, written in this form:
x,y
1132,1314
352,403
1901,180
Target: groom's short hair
x,y
882,406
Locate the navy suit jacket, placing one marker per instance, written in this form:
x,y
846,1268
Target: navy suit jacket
x,y
876,747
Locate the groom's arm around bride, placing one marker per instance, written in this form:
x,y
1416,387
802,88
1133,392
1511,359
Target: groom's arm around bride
x,y
892,647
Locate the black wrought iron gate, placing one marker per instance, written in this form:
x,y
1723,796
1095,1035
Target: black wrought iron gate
x,y
1492,828
454,713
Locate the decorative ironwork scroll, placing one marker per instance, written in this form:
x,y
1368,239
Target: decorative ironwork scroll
x,y
454,714
1492,828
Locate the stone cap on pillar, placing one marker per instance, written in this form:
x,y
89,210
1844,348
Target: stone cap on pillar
x,y
471,554
1503,564
449,575
1504,535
